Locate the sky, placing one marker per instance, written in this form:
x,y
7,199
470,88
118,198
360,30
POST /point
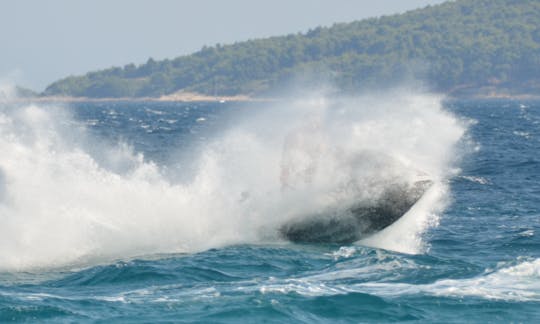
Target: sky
x,y
43,41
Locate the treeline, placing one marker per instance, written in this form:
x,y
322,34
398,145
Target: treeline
x,y
464,44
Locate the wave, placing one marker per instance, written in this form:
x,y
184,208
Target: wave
x,y
67,199
519,282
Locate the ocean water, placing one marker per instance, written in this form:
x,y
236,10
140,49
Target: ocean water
x,y
170,212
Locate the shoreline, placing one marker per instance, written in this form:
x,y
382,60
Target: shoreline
x,y
495,96
195,97
495,93
185,97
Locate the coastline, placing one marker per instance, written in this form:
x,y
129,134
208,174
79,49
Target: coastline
x,y
494,93
495,97
197,97
176,97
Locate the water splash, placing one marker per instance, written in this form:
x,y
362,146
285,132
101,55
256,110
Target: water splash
x,y
62,201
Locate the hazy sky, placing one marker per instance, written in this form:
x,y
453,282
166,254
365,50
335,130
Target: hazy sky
x,y
43,41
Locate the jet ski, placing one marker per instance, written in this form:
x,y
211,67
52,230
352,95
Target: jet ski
x,y
351,222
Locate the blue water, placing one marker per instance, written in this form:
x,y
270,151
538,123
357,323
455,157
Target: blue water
x,y
480,263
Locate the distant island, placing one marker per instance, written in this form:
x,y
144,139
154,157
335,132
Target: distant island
x,y
460,48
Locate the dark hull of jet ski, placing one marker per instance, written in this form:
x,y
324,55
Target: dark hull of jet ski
x,y
350,224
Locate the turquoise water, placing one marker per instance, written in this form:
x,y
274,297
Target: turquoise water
x,y
167,212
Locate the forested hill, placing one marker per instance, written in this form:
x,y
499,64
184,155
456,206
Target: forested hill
x,y
459,46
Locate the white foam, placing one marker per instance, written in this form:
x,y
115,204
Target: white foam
x,y
405,235
515,283
478,180
520,282
522,134
65,201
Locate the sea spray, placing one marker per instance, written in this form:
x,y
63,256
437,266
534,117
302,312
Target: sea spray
x,y
67,199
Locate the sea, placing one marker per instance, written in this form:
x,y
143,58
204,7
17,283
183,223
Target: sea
x,y
170,212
